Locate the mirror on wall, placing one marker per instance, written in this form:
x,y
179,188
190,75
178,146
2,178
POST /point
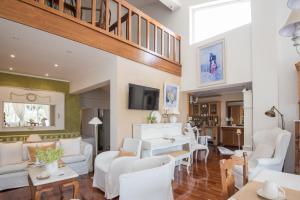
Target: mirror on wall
x,y
25,109
28,115
235,113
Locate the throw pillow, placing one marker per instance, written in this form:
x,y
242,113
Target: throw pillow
x,y
262,151
33,149
126,153
70,146
10,153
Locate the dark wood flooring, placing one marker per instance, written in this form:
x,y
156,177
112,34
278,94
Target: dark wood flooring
x,y
203,183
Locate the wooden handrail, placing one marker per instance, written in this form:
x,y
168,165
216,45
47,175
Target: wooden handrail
x,y
115,29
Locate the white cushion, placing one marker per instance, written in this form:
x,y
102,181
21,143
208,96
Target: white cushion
x,y
13,168
73,159
70,146
262,151
10,153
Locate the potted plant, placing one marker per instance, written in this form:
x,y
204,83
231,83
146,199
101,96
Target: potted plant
x,y
50,158
151,119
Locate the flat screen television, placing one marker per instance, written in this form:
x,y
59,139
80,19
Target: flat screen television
x,y
143,98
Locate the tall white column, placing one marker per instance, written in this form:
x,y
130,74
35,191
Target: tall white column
x,y
248,120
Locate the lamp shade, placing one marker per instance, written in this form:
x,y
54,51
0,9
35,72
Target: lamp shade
x,y
293,4
95,121
34,138
290,26
270,113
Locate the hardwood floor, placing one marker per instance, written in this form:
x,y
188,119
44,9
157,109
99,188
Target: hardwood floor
x,y
203,183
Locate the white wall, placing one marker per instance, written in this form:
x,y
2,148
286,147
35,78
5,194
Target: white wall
x,y
255,52
96,76
237,45
287,80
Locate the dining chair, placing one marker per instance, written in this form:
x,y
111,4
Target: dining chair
x,y
198,143
227,175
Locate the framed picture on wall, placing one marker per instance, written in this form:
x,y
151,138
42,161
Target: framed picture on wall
x,y
171,96
211,68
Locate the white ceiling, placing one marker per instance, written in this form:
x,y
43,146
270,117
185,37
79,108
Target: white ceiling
x,y
142,3
37,51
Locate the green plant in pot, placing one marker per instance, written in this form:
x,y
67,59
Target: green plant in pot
x,y
151,119
50,158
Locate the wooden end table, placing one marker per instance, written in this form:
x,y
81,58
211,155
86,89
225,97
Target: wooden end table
x,y
64,177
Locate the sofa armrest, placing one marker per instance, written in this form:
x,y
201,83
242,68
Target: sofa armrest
x,y
86,150
105,157
239,153
269,161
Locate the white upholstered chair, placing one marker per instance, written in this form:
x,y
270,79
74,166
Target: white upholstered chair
x,y
198,143
270,147
109,166
150,179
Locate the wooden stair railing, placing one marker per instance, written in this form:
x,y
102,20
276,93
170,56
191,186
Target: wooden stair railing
x,y
119,20
71,7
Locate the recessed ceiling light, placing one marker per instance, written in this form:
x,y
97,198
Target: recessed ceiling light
x,y
56,65
47,74
12,56
11,68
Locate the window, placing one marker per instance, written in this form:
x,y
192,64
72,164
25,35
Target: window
x,y
26,115
211,19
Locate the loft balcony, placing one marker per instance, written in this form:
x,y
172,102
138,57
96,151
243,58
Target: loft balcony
x,y
114,26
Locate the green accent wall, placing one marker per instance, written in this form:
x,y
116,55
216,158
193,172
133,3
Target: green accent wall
x,y
72,102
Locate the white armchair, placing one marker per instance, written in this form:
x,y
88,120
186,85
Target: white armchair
x,y
109,166
276,138
151,179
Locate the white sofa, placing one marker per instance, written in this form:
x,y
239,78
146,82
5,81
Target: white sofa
x,y
16,175
276,138
151,178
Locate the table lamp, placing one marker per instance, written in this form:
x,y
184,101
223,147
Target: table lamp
x,y
95,121
34,138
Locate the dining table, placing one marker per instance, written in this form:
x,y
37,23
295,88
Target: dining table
x,y
289,182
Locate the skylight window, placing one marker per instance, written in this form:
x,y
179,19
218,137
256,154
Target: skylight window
x,y
214,18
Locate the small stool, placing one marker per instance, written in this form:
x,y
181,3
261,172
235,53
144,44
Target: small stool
x,y
179,156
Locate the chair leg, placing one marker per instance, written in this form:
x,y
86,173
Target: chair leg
x,y
206,155
188,165
179,167
196,155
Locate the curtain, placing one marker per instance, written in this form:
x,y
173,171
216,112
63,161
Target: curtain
x,y
20,111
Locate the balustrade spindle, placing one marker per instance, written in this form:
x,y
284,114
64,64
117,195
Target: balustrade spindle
x,y
78,9
107,15
94,12
61,4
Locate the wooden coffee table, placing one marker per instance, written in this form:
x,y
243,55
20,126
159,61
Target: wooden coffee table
x,y
64,177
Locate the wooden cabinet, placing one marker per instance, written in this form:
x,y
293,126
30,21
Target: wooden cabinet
x,y
230,136
297,147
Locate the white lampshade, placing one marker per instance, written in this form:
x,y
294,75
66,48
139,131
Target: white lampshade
x,y
34,138
290,26
293,4
95,121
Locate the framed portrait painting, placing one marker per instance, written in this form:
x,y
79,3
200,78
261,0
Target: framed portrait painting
x,y
171,96
211,69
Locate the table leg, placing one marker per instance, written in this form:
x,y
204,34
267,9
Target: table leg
x,y
61,191
37,195
76,190
75,186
